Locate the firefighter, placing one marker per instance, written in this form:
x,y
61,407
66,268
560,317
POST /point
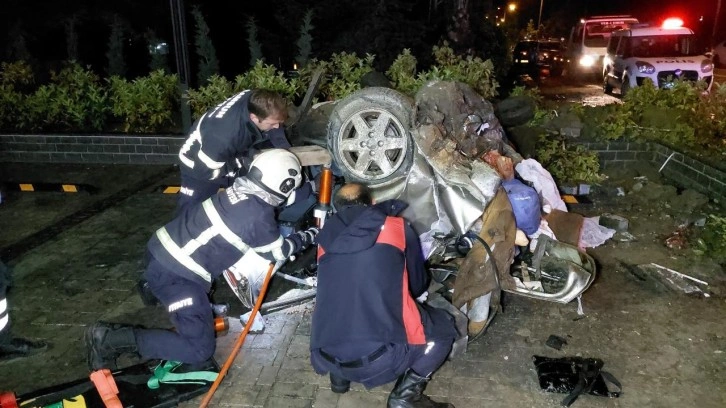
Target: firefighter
x,y
223,141
12,347
367,326
191,251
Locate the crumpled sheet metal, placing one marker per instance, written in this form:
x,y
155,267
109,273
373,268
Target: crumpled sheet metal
x,y
446,192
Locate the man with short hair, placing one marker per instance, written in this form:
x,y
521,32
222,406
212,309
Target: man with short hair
x,y
223,142
193,250
367,326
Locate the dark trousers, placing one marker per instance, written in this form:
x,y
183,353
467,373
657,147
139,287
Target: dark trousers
x,y
194,191
422,359
193,340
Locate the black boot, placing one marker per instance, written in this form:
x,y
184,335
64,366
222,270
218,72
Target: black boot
x,y
107,341
20,347
339,385
408,393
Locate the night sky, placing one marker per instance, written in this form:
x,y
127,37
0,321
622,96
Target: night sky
x,y
42,22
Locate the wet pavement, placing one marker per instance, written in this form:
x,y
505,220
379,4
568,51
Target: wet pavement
x,y
77,257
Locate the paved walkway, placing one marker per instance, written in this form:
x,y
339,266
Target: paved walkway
x,y
666,348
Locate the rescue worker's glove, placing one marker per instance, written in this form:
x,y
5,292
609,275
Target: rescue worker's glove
x,y
308,236
303,239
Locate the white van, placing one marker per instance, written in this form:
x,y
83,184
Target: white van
x,y
589,39
660,54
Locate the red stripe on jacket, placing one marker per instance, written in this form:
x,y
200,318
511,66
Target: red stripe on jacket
x,y
394,233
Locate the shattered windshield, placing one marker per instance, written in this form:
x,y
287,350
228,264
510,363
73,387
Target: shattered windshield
x,y
661,46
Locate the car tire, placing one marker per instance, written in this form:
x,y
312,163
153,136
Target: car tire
x,y
717,61
369,135
624,87
606,87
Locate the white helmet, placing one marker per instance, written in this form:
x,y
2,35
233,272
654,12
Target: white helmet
x,y
276,171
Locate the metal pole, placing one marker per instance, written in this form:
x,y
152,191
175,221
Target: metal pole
x,y
715,23
178,23
539,20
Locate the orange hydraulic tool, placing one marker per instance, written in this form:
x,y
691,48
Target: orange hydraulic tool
x,y
106,387
221,325
325,193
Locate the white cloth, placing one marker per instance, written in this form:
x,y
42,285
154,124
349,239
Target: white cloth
x,y
542,181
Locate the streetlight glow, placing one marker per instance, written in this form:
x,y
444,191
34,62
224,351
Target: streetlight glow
x,y
512,7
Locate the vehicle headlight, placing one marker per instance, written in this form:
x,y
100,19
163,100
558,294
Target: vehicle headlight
x,y
706,66
644,67
587,61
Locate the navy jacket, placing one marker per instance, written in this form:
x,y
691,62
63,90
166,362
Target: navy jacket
x,y
201,243
361,296
222,137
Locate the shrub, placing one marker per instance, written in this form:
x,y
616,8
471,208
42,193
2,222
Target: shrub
x,y
346,71
605,122
218,89
145,104
73,101
474,71
266,76
713,238
567,162
15,79
402,73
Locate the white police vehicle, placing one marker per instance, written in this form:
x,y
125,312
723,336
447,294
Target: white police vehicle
x,y
659,54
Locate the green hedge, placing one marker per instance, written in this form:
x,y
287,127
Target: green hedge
x,y
76,100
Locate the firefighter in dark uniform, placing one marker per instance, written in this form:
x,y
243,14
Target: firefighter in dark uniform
x,y
12,347
190,252
222,142
367,326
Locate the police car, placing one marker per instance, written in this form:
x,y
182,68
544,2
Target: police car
x,y
658,54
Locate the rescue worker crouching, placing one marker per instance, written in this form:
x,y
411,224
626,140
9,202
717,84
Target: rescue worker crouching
x,y
367,326
191,251
222,142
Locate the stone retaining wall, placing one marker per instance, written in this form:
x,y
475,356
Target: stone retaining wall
x,y
104,149
683,170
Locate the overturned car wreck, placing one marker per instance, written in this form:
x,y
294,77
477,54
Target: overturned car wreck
x,y
430,152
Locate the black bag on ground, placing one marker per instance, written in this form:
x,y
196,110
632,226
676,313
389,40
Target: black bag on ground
x,y
575,376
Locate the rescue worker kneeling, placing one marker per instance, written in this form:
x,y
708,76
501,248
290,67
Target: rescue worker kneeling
x,y
367,326
191,251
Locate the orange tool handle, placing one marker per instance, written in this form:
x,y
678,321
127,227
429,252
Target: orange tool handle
x,y
240,340
106,387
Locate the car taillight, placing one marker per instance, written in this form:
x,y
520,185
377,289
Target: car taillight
x,y
644,67
706,66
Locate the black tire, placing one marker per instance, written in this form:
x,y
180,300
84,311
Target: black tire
x,y
624,87
515,111
369,135
606,87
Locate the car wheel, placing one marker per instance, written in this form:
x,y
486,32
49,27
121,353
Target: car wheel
x,y
369,135
624,87
606,87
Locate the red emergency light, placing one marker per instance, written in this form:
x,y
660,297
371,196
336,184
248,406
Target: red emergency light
x,y
672,22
